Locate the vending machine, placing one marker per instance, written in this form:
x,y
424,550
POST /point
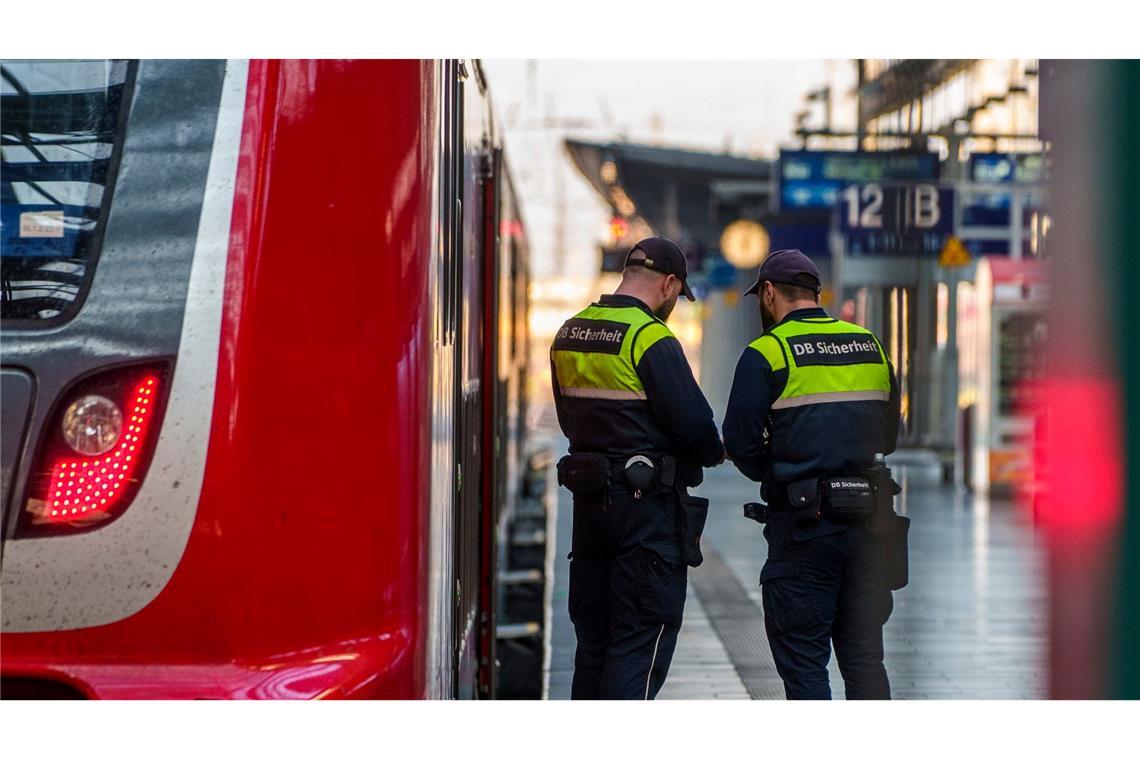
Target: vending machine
x,y
1005,334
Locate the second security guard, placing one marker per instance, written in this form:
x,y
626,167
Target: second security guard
x,y
640,430
814,400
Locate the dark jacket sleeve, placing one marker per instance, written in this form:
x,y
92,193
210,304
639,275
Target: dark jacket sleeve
x,y
894,413
748,405
557,397
678,402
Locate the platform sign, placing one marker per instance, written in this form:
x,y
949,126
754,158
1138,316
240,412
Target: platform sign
x,y
813,180
911,219
1008,168
999,174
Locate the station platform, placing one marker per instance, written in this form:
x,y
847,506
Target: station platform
x,y
971,624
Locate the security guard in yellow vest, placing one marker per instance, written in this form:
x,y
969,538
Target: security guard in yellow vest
x,y
640,430
814,399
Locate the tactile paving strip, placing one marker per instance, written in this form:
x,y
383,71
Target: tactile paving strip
x,y
739,624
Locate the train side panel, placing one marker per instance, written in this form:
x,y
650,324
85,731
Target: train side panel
x,y
305,572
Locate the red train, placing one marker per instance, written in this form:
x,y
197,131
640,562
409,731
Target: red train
x,y
264,344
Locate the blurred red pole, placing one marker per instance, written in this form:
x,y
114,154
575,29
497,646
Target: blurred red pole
x,y
1079,460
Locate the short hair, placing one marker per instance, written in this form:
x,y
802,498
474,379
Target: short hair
x,y
795,292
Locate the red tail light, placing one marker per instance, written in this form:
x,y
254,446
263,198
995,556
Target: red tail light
x,y
68,491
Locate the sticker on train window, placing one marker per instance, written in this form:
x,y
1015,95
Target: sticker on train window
x,y
41,224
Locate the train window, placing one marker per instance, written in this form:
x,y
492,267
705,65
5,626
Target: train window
x,y
447,201
451,199
445,207
457,238
515,283
62,134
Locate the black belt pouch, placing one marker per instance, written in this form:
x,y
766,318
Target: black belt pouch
x,y
585,475
849,498
695,511
803,498
897,552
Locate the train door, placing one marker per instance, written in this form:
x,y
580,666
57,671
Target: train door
x,y
463,382
469,387
493,470
445,392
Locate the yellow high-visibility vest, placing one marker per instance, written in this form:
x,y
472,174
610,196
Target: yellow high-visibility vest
x,y
596,353
828,361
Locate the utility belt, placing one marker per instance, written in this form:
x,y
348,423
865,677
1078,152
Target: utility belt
x,y
846,499
589,476
843,499
866,500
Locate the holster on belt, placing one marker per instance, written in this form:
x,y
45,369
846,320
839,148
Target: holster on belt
x,y
692,512
889,526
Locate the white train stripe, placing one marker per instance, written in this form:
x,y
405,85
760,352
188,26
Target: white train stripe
x,y
88,579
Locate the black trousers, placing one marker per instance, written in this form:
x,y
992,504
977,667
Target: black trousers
x,y
825,585
627,594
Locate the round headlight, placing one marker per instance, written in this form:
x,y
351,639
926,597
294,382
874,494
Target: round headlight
x,y
92,425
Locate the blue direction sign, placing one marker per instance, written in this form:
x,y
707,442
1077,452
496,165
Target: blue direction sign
x,y
814,179
895,219
1026,168
991,207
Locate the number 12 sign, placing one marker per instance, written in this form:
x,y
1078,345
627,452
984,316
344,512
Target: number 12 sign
x,y
916,207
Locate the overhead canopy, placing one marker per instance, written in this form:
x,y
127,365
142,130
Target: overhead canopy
x,y
670,189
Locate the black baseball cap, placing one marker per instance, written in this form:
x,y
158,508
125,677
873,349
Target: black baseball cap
x,y
662,255
788,266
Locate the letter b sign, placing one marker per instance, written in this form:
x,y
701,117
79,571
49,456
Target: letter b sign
x,y
927,213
